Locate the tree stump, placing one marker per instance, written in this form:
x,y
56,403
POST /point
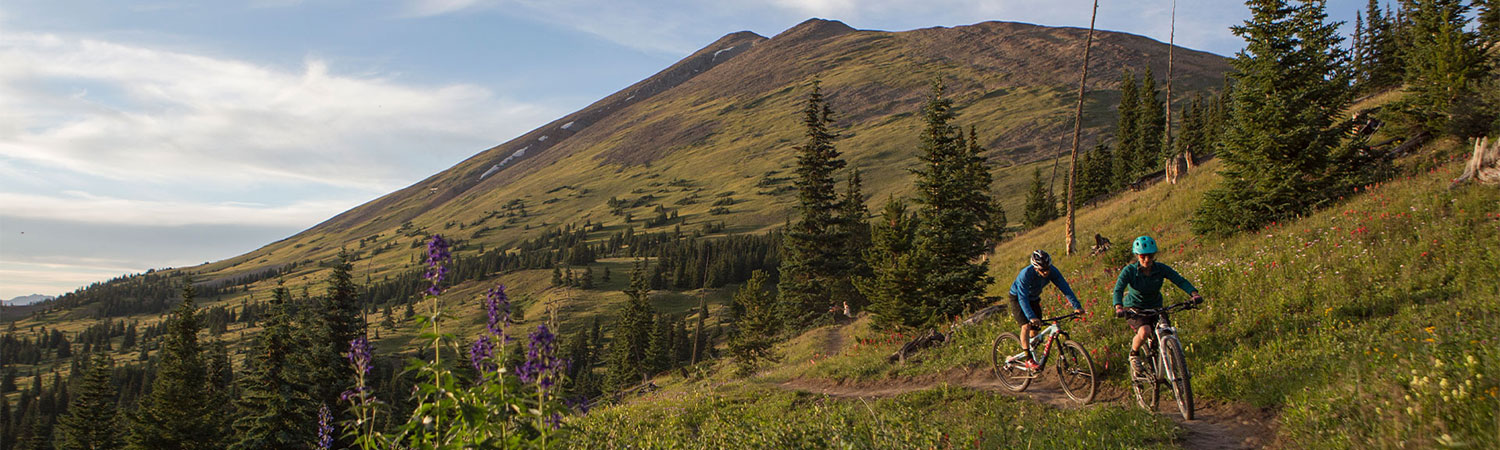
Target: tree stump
x,y
1101,245
1484,165
1177,167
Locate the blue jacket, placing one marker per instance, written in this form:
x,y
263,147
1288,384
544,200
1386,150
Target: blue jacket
x,y
1029,284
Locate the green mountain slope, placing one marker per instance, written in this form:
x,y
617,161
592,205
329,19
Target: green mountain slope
x,y
1369,324
723,121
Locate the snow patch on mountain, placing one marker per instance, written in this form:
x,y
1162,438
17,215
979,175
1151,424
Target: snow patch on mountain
x,y
567,125
716,54
503,162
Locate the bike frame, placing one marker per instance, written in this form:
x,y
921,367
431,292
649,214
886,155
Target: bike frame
x,y
1046,337
1163,331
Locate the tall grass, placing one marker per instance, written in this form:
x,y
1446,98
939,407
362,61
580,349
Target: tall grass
x,y
1369,323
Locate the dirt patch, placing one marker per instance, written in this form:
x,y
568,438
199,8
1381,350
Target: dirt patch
x,y
1216,425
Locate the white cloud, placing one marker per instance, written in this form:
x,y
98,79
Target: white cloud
x,y
134,114
84,207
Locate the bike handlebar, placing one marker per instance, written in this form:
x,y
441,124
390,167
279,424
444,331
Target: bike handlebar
x,y
1152,312
1060,318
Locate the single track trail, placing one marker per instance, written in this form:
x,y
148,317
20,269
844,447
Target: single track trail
x,y
1216,425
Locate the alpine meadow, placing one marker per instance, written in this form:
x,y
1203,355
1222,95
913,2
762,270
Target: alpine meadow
x,y
997,235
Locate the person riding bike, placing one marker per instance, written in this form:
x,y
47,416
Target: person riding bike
x,y
1139,287
1026,298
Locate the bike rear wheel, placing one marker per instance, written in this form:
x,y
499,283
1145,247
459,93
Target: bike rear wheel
x,y
1181,379
1075,372
1011,374
1147,390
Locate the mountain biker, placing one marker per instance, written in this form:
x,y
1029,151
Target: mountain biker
x,y
1139,287
1026,298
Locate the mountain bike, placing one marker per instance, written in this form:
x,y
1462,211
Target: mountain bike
x,y
1163,362
1075,369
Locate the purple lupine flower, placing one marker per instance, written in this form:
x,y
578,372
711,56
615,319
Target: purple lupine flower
x,y
577,403
479,354
325,428
359,354
437,263
498,306
542,366
352,394
555,420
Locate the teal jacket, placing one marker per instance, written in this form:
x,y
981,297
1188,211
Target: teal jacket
x,y
1138,290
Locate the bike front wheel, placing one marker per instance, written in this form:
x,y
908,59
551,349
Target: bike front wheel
x,y
1143,383
1075,372
1010,373
1180,378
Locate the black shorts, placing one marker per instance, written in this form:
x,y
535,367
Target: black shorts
x,y
1135,321
1018,314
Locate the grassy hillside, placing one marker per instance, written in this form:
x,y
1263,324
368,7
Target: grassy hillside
x,y
1367,324
718,126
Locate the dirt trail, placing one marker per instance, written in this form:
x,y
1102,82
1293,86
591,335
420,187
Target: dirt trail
x,y
1216,425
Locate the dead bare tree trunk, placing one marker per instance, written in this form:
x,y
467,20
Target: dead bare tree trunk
x,y
1484,165
1078,126
1171,46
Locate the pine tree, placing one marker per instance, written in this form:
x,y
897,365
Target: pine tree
x,y
953,185
659,353
852,226
1193,137
275,408
176,415
587,279
1127,133
632,333
812,247
91,421
1151,128
580,352
755,333
1380,59
1291,88
336,321
895,285
1097,176
1489,20
221,390
1040,207
1443,59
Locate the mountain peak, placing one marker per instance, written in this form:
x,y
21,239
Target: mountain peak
x,y
814,29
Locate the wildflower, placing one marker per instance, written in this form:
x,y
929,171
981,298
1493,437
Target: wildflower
x,y
497,304
359,354
352,394
438,257
480,353
578,403
542,366
325,428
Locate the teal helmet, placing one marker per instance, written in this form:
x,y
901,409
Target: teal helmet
x,y
1143,245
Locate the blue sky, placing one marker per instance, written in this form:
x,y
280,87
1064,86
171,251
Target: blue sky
x,y
137,135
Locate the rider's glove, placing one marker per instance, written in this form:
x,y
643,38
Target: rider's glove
x,y
1119,311
1036,323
